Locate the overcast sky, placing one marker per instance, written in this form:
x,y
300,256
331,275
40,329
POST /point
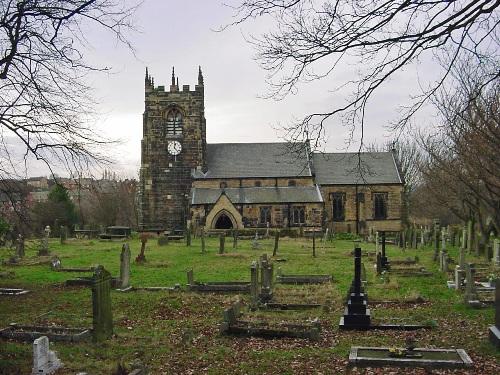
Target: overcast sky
x,y
180,33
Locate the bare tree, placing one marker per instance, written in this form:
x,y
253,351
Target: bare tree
x,y
312,39
462,168
45,103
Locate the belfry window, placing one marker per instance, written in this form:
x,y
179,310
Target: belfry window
x,y
174,123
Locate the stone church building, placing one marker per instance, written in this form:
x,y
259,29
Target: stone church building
x,y
250,185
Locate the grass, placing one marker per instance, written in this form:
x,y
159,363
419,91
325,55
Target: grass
x,y
177,332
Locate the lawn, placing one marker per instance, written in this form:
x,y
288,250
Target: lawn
x,y
176,332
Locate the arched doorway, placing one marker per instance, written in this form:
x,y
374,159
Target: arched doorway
x,y
223,222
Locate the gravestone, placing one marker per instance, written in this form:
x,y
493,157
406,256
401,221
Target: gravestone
x,y
470,235
460,269
494,331
464,237
222,240
436,240
55,264
276,242
266,279
235,238
496,252
63,235
203,249
385,262
20,246
446,260
44,244
45,360
414,238
254,284
255,242
376,243
144,240
163,240
190,278
102,321
125,267
356,313
443,239
470,295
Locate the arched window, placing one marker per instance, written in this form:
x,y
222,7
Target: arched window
x,y
174,122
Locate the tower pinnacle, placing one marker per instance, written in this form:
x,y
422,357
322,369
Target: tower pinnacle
x,y
200,76
173,76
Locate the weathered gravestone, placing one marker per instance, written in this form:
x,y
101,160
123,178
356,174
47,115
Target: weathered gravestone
x,y
436,239
266,274
203,249
45,361
44,243
254,285
102,321
125,267
222,240
494,331
63,234
276,242
460,269
356,313
470,296
55,264
235,239
255,242
496,252
20,246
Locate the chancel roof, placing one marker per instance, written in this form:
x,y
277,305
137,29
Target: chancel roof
x,y
253,160
352,168
250,195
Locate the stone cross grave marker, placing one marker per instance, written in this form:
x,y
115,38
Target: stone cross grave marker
x,y
45,361
125,266
102,322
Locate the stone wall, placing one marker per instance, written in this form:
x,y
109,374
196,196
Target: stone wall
x,y
366,208
250,214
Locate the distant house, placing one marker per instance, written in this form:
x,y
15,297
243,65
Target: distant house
x,y
250,185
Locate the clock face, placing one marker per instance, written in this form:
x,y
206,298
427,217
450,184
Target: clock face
x,y
174,148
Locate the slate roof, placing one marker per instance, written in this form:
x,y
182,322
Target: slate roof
x,y
240,160
249,195
352,168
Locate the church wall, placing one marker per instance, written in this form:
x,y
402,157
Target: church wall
x,y
366,208
251,215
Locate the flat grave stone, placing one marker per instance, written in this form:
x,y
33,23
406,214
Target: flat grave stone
x,y
418,357
21,332
13,292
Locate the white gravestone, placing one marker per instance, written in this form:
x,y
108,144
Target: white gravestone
x,y
45,361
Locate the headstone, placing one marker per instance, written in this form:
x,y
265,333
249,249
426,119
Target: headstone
x,y
125,266
470,235
494,331
235,238
446,260
385,262
443,239
144,240
203,249
376,243
461,258
254,284
55,264
470,294
464,237
496,252
436,240
414,238
422,239
190,278
379,264
163,240
356,313
276,242
266,278
255,242
188,236
102,321
45,361
63,235
459,277
44,245
20,246
222,240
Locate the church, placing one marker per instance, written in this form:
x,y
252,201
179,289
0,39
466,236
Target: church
x,y
185,181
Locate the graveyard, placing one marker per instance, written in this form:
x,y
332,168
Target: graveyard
x,y
160,323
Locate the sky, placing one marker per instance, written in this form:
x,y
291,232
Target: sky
x,y
182,34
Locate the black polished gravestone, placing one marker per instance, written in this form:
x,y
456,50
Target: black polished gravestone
x,y
494,331
356,313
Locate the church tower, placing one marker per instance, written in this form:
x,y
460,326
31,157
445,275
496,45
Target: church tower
x,y
173,145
